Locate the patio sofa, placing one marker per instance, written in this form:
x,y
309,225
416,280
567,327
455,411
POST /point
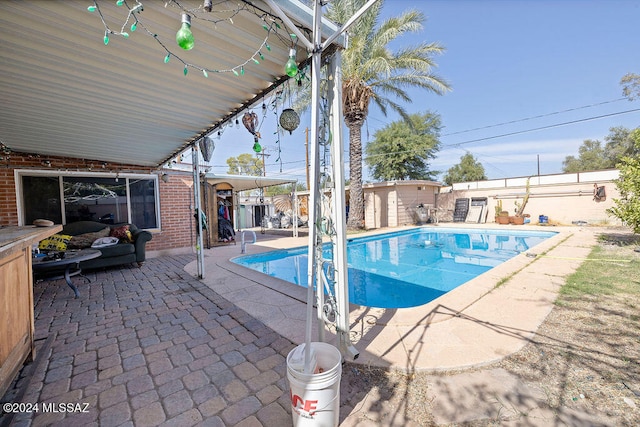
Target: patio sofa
x,y
130,249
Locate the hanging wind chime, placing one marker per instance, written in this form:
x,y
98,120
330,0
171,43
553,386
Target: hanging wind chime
x,y
250,121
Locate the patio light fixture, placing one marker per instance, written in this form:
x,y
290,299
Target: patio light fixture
x,y
186,40
291,68
184,36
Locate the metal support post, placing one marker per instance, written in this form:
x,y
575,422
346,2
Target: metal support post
x,y
196,203
341,279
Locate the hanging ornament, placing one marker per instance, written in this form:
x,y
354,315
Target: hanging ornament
x,y
256,145
250,121
291,67
184,36
289,119
207,145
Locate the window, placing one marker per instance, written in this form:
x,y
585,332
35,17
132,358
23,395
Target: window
x,y
100,197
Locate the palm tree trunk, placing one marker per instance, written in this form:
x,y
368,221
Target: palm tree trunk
x,y
356,197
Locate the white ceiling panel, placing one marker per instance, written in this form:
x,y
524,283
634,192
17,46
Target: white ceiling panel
x,y
65,93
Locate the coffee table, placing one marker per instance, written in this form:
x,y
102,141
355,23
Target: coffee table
x,y
65,267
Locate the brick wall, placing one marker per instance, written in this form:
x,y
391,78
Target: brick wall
x,y
176,195
176,215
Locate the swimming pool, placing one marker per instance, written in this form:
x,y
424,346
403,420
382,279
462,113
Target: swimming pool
x,y
406,268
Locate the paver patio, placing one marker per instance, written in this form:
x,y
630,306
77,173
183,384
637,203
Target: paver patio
x,y
151,346
155,346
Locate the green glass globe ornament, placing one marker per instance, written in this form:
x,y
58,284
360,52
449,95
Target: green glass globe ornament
x,y
291,68
256,146
184,36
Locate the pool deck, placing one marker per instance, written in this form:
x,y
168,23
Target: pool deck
x,y
156,346
471,326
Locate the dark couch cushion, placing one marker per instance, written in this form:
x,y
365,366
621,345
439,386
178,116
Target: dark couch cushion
x,y
82,227
82,241
117,250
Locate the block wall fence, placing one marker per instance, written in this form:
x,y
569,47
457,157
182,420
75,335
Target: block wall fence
x,y
565,199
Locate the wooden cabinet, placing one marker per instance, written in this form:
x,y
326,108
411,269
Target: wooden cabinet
x,y
16,298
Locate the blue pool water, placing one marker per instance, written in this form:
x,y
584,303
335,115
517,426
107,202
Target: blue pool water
x,y
406,268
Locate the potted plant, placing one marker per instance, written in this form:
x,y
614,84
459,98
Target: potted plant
x,y
518,219
502,216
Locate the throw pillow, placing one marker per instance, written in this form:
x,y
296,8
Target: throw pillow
x,y
123,233
57,242
105,242
82,241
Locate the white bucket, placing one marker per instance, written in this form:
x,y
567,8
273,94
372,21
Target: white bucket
x,y
315,397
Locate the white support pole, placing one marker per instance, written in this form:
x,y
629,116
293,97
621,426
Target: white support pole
x,y
339,209
294,206
290,25
316,65
196,203
347,24
315,238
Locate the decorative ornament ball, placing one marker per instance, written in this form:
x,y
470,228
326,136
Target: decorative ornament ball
x,y
289,119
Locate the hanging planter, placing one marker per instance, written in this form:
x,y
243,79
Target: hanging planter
x,y
289,119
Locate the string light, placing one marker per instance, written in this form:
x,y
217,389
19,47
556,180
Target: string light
x,y
291,67
269,23
131,14
184,36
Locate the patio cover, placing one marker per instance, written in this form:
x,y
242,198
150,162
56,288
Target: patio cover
x,y
243,183
65,93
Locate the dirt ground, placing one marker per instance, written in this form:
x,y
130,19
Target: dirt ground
x,y
585,357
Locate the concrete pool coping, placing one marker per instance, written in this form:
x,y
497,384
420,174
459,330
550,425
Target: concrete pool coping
x,y
476,324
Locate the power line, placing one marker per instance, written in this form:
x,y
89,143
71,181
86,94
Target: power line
x,y
535,117
458,144
519,120
541,128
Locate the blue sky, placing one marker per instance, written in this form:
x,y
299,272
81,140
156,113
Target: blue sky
x,y
508,61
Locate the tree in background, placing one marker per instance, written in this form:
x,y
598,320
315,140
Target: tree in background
x,y
620,143
593,156
627,208
469,169
371,72
402,150
276,190
245,164
631,86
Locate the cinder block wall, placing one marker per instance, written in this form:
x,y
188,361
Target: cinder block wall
x,y
564,198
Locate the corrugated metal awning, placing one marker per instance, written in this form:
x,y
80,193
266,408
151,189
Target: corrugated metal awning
x,y
65,93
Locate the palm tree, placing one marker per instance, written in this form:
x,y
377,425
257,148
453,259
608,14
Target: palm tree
x,y
372,72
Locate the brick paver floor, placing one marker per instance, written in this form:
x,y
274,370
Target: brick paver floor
x,y
150,346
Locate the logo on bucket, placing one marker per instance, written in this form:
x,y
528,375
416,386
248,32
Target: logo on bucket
x,y
303,407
